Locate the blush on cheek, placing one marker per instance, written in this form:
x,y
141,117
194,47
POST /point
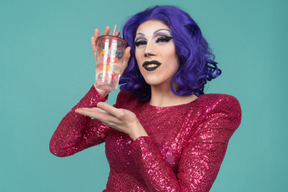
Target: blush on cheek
x,y
172,60
171,51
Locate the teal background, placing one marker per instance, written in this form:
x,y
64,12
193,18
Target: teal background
x,y
46,67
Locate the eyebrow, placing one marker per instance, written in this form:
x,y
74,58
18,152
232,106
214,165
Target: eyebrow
x,y
162,30
155,32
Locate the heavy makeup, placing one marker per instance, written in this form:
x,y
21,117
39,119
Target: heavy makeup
x,y
155,53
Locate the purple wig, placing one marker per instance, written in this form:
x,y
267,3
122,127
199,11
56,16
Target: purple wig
x,y
196,61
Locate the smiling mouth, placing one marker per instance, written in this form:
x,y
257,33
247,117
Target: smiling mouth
x,y
151,65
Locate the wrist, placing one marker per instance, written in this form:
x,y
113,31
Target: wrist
x,y
137,131
103,93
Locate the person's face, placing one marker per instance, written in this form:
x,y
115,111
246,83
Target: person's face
x,y
155,52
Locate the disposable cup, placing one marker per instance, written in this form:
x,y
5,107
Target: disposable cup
x,y
109,61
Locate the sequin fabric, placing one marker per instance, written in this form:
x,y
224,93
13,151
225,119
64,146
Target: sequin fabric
x,y
183,152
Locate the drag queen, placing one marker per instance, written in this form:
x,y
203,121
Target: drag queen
x,y
163,133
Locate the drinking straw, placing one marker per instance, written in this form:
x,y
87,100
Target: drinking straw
x,y
114,30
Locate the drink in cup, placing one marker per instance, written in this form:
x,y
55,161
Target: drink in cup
x,y
109,60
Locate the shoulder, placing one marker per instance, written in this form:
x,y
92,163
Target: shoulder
x,y
222,106
217,100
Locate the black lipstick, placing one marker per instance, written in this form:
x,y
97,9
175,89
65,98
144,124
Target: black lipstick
x,y
147,63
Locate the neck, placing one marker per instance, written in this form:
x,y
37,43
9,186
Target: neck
x,y
162,96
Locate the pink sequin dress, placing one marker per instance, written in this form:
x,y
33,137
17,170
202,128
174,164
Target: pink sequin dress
x,y
183,152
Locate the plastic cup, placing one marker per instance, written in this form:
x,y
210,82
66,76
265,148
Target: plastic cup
x,y
109,61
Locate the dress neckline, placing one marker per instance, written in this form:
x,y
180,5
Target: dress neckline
x,y
172,106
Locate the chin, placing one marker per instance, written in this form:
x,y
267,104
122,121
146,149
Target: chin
x,y
150,81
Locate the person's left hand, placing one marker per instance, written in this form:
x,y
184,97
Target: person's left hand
x,y
120,119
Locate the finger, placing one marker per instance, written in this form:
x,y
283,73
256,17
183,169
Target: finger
x,y
93,44
117,34
99,114
96,33
126,58
93,41
91,112
110,109
106,31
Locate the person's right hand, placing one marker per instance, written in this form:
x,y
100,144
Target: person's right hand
x,y
126,55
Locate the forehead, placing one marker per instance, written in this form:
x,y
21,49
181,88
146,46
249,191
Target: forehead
x,y
149,27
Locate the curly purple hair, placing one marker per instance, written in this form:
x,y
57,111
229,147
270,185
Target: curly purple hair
x,y
196,61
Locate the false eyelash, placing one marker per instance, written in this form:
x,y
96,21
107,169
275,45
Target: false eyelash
x,y
140,42
163,39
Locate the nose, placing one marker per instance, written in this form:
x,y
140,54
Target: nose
x,y
149,50
148,54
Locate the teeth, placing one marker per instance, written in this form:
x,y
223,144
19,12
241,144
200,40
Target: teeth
x,y
151,65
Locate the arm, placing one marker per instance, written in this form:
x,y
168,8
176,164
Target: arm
x,y
115,117
201,157
77,132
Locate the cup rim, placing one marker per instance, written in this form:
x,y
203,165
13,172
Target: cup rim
x,y
112,37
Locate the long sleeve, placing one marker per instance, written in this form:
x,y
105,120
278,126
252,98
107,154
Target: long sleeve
x,y
202,153
77,132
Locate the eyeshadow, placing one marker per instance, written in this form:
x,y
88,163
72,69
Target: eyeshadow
x,y
164,32
139,36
